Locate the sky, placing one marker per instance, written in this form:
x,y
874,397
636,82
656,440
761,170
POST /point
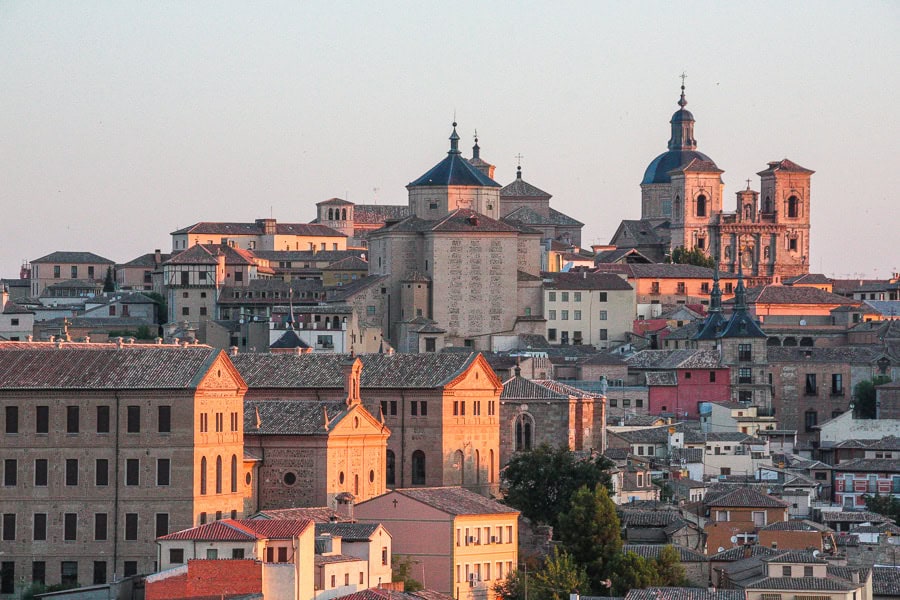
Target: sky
x,y
121,122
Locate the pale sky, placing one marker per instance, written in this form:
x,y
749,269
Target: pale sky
x,y
123,121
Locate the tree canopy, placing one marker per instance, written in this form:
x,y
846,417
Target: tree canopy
x,y
694,256
591,532
864,393
541,483
884,505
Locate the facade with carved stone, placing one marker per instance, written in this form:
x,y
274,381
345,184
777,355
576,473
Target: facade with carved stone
x,y
682,205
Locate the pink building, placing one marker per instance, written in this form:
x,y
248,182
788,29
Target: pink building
x,y
679,380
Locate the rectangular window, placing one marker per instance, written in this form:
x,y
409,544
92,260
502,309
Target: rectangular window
x,y
576,296
100,521
551,335
639,402
626,402
551,297
40,472
414,408
185,311
234,422
129,568
603,315
552,315
807,571
162,471
564,296
476,408
492,408
71,471
39,533
162,524
811,419
101,472
102,419
837,384
237,553
9,527
176,556
74,271
282,554
70,527
565,315
704,287
786,570
613,402
712,376
132,471
745,375
7,577
68,571
42,419
39,571
99,572
204,423
134,419
456,408
220,422
577,315
393,407
12,419
164,419
10,472
745,353
72,419
811,384
131,526
56,272
604,334
729,287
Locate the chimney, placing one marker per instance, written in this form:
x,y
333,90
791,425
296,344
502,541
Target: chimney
x,y
854,576
158,341
233,351
157,257
119,342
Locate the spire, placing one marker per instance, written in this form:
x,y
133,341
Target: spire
x,y
454,141
682,125
519,172
476,149
715,296
740,298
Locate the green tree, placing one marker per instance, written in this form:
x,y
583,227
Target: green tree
x,y
162,310
884,505
401,570
512,587
591,532
540,483
694,256
560,576
669,570
109,284
864,392
632,571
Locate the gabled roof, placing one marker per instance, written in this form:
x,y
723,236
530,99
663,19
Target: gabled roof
x,y
519,388
291,417
796,556
784,165
873,465
455,501
789,294
685,358
736,554
146,260
258,228
684,593
351,263
334,202
886,581
862,516
74,258
344,292
519,188
384,594
314,370
44,366
746,497
349,532
289,339
318,514
237,530
584,280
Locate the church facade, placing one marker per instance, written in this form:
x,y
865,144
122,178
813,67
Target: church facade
x,y
682,205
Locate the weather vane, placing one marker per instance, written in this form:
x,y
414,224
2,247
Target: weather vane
x,y
519,158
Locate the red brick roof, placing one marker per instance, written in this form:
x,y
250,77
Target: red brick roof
x,y
236,530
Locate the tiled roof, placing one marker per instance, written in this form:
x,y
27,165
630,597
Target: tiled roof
x,y
345,292
334,202
288,339
801,525
290,417
520,188
653,550
374,214
886,581
834,354
351,263
519,388
617,255
12,308
642,232
564,388
846,539
879,528
786,294
427,370
663,270
74,258
146,260
684,593
808,278
563,220
584,280
383,594
456,501
349,532
461,220
318,514
873,465
647,518
226,229
304,256
242,529
862,516
736,554
454,170
688,358
749,497
331,559
784,165
803,583
103,366
795,556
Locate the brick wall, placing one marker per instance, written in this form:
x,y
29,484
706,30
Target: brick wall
x,y
214,578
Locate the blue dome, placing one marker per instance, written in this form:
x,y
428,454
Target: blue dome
x,y
658,171
682,115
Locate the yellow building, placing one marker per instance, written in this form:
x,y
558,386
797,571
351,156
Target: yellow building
x,y
263,234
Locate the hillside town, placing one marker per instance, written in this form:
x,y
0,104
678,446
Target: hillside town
x,y
455,398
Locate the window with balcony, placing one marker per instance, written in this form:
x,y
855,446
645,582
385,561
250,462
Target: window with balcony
x,y
745,375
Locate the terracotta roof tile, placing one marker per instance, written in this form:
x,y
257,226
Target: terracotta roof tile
x,y
456,501
242,529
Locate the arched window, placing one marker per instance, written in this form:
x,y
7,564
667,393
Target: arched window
x,y
356,484
701,205
789,341
477,467
203,475
459,463
330,214
524,432
773,341
767,205
418,468
793,207
234,474
390,468
806,341
343,214
727,252
218,474
677,212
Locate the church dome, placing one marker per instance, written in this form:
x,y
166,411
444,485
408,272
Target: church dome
x,y
658,170
682,115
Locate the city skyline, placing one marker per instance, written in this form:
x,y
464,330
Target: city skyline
x,y
122,123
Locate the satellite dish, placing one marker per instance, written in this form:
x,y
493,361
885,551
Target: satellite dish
x,y
815,553
734,539
802,322
721,549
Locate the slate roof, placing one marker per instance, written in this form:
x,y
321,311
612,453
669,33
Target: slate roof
x,y
886,581
745,496
519,188
684,593
43,366
643,232
456,501
653,550
236,530
146,260
519,388
363,283
461,220
736,554
349,532
214,228
801,525
803,583
351,263
288,339
795,556
584,280
373,214
74,258
454,170
862,516
646,518
318,514
835,354
427,370
290,417
687,358
786,294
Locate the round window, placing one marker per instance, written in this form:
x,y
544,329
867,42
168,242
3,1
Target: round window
x,y
371,476
290,478
248,478
341,477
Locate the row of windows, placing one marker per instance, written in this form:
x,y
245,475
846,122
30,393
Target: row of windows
x,y
72,472
73,419
40,526
68,570
576,296
576,315
219,422
234,474
418,467
626,402
491,535
577,337
73,271
473,573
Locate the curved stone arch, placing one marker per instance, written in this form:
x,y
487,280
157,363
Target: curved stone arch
x,y
523,432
